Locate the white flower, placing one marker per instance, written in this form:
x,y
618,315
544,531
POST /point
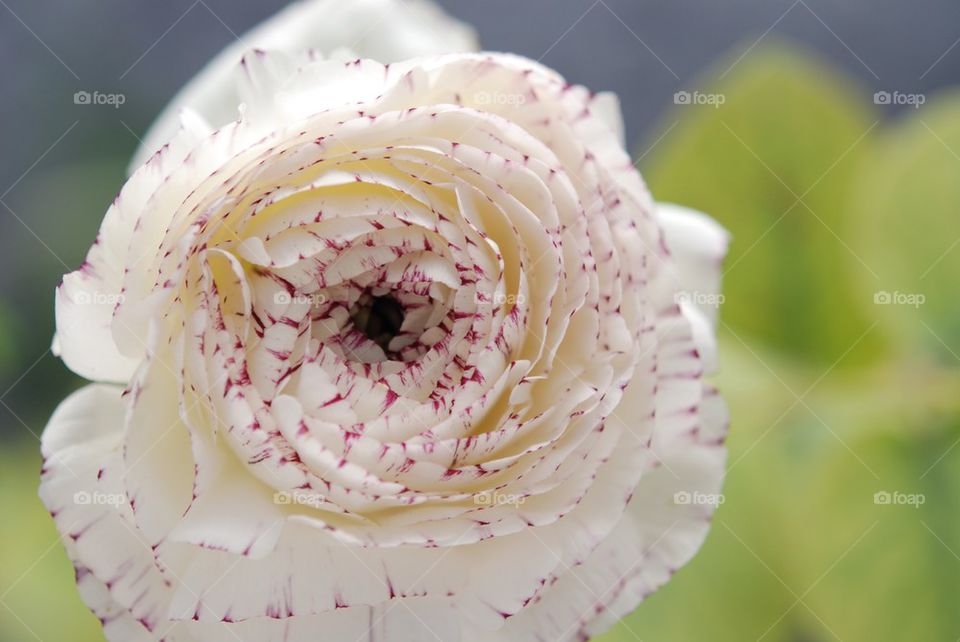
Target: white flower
x,y
399,358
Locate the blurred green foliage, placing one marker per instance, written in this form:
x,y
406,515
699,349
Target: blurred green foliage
x,y
907,212
38,598
834,398
8,352
774,162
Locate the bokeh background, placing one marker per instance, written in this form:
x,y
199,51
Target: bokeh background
x,y
825,134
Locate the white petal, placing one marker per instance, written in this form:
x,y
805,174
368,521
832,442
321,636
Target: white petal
x,y
384,30
87,299
81,487
232,510
672,507
158,467
606,105
698,245
667,518
400,620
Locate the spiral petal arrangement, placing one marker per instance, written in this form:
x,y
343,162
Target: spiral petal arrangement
x,y
400,357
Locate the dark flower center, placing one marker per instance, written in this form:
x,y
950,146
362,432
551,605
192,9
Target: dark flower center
x,y
378,317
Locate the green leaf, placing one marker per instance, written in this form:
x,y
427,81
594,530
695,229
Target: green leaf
x,y
774,163
908,224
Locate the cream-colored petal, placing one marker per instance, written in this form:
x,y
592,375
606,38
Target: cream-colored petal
x,y
698,245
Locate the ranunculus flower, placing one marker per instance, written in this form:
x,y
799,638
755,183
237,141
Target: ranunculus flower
x,y
404,353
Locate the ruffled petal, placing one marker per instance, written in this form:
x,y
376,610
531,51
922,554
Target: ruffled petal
x,y
384,30
82,487
698,245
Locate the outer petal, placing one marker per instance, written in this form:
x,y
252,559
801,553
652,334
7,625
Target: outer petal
x,y
87,299
401,620
127,584
384,30
671,509
697,245
81,487
606,105
669,512
657,536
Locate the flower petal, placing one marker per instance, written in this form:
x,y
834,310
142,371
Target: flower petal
x,y
698,245
81,486
384,30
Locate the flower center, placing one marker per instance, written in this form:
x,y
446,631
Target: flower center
x,y
378,317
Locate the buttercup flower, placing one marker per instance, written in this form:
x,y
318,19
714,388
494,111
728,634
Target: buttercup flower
x,y
405,352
